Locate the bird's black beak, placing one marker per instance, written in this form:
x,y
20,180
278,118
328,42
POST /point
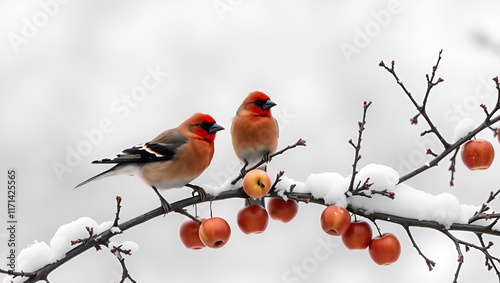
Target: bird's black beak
x,y
215,128
268,105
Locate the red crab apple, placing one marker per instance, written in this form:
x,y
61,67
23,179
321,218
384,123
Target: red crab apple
x,y
189,234
214,232
252,219
335,220
256,183
478,154
385,249
358,236
282,210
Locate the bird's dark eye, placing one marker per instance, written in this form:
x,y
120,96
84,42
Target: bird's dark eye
x,y
206,126
260,103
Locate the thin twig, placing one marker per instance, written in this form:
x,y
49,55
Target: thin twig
x,y
481,213
430,263
278,179
300,142
421,108
117,251
490,263
189,215
459,252
118,207
357,146
453,162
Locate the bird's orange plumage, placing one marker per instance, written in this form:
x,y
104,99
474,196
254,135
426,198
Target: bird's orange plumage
x,y
254,130
191,159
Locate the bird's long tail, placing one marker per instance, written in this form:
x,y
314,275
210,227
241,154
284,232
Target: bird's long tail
x,y
115,170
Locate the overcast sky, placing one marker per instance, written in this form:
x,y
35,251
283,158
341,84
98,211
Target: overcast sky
x,y
82,80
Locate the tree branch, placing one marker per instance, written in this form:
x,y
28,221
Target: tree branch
x,y
96,241
448,148
421,109
300,142
357,146
118,251
430,263
434,162
239,193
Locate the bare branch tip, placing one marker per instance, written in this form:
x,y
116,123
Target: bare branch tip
x,y
280,174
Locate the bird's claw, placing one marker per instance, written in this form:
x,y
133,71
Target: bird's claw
x,y
166,207
164,203
267,157
243,172
197,189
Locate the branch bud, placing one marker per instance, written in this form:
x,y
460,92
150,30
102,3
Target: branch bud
x,y
90,230
301,142
280,174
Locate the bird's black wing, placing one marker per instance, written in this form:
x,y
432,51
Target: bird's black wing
x,y
161,148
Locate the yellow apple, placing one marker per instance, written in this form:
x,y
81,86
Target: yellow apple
x,y
256,183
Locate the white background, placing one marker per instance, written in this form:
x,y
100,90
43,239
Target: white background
x,y
64,77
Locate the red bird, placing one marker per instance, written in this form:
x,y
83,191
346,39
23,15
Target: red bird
x,y
172,159
254,130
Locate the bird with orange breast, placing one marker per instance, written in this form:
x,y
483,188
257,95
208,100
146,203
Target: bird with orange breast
x,y
171,160
254,130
